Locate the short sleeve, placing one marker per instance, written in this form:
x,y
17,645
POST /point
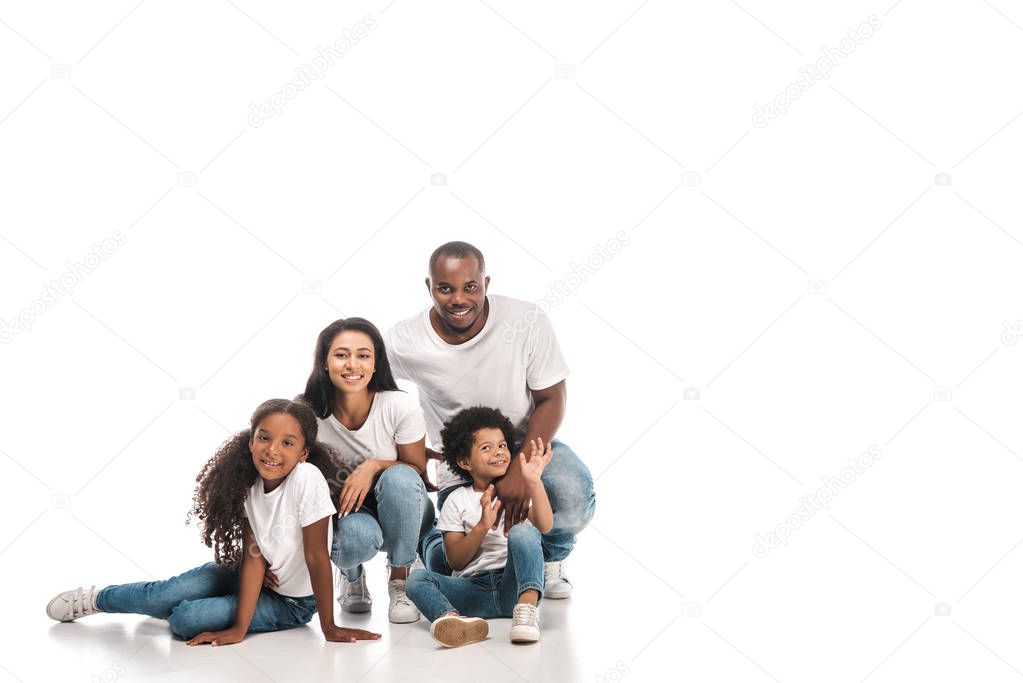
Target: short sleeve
x,y
393,347
452,514
545,364
312,495
410,425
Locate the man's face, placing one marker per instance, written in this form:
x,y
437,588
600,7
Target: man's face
x,y
459,290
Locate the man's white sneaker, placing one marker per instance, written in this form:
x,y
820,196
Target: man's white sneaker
x,y
400,610
353,596
453,630
556,583
71,605
525,624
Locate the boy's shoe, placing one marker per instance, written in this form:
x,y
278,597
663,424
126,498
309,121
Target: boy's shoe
x,y
525,624
453,630
556,583
71,605
400,609
353,596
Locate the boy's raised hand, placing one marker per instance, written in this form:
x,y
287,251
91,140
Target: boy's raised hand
x,y
491,509
539,458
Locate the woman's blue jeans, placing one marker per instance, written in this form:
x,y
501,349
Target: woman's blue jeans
x,y
398,515
569,487
488,594
205,599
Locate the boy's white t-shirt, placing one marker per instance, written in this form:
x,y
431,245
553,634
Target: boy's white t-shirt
x,y
462,512
277,519
515,352
395,417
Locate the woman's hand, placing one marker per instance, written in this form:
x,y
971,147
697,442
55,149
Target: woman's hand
x,y
337,634
539,458
491,509
215,638
357,486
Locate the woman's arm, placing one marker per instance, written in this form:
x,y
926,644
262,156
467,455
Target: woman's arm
x,y
360,481
317,561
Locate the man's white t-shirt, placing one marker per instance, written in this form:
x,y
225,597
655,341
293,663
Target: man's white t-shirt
x,y
277,519
515,352
462,512
395,417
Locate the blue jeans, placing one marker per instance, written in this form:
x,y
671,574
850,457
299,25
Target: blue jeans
x,y
205,599
569,487
488,594
394,521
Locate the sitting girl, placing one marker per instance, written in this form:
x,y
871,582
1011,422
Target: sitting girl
x,y
494,575
262,499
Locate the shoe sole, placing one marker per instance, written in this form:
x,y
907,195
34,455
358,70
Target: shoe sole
x,y
455,632
356,609
403,621
558,595
526,637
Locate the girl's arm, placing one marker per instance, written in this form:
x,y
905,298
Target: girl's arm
x,y
250,582
461,547
317,560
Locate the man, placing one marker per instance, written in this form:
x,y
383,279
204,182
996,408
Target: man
x,y
472,349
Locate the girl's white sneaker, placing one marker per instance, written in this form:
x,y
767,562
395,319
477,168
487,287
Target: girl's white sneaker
x,y
73,604
525,624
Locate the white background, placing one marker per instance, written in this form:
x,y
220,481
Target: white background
x,y
812,281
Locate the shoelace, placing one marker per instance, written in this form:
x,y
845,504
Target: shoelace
x,y
523,614
552,571
77,607
400,597
357,588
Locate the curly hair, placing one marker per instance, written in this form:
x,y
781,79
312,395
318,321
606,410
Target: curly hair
x,y
224,482
459,432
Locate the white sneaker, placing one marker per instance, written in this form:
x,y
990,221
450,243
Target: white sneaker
x,y
556,583
525,624
453,630
353,596
71,605
400,609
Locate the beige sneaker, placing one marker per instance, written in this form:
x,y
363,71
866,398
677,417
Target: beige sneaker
x,y
453,630
71,605
525,624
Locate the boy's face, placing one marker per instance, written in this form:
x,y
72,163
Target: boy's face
x,y
489,457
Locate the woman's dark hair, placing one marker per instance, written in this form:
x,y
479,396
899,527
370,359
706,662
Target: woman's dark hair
x,y
459,432
319,390
224,482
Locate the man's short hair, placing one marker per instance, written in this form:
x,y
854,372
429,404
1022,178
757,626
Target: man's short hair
x,y
457,250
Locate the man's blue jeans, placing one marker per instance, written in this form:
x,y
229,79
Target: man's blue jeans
x,y
569,487
488,594
394,521
205,599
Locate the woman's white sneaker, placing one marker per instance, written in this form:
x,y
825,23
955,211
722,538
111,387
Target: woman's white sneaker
x,y
453,630
556,583
354,595
73,604
400,610
525,624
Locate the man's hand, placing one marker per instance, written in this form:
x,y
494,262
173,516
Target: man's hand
x,y
215,638
357,486
491,509
433,455
337,634
513,490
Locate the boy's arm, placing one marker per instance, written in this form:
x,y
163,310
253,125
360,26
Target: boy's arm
x,y
540,514
460,547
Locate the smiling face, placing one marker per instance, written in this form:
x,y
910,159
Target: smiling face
x,y
459,291
489,456
351,361
277,446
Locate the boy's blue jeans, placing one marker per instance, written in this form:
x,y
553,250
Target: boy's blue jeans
x,y
488,594
205,599
398,515
569,487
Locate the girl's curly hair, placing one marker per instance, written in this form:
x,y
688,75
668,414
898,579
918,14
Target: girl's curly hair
x,y
224,482
459,432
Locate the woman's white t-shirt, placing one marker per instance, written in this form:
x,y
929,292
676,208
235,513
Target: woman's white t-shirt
x,y
394,418
462,512
277,519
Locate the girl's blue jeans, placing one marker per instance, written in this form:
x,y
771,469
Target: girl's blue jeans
x,y
488,594
205,599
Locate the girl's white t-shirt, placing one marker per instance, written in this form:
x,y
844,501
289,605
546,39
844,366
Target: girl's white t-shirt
x,y
394,418
462,512
277,519
514,353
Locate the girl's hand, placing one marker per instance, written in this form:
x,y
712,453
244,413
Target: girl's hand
x,y
215,638
539,458
357,487
336,634
491,509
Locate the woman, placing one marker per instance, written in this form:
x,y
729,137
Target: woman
x,y
380,433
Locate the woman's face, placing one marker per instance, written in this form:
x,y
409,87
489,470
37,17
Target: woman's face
x,y
351,361
277,446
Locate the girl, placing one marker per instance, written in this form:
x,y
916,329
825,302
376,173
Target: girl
x,y
263,500
381,435
495,576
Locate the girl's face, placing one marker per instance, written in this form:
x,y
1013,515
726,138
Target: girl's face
x,y
351,361
489,456
277,446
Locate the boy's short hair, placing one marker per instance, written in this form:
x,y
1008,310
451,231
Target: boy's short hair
x,y
458,433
